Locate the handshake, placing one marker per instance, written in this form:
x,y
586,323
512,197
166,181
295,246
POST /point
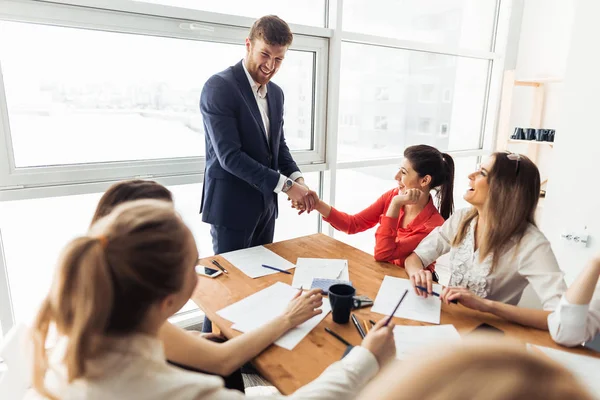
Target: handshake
x,y
302,198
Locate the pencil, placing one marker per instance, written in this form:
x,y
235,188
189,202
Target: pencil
x,y
366,326
338,337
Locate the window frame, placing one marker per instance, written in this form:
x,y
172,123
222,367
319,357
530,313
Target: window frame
x,y
67,15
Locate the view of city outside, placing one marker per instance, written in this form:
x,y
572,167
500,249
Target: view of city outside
x,y
390,99
305,12
32,250
74,94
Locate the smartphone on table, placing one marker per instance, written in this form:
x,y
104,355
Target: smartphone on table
x,y
208,272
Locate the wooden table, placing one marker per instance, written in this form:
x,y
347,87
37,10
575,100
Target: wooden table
x,y
289,370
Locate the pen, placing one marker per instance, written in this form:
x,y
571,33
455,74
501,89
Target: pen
x,y
215,262
424,289
397,305
366,326
277,269
359,328
338,337
372,322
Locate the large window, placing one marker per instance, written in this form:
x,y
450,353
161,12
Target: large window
x,y
79,96
414,106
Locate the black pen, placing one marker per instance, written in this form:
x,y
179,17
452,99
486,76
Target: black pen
x,y
338,337
215,262
359,328
372,322
397,305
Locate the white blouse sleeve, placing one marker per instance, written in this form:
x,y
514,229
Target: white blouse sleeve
x,y
573,324
439,240
538,265
342,380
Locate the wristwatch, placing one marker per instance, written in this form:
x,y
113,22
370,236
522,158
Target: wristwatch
x,y
287,185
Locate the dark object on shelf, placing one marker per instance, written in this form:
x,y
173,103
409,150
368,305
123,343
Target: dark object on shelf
x,y
542,193
519,134
551,133
530,134
541,135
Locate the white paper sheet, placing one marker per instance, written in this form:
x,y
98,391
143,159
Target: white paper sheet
x,y
411,339
262,307
250,261
586,369
413,307
327,268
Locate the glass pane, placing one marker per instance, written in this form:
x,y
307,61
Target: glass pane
x,y
80,96
307,12
372,182
455,23
390,99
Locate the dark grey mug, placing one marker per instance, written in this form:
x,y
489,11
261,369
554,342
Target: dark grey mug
x,y
341,300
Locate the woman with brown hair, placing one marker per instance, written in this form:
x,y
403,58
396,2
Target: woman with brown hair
x,y
495,247
113,292
406,213
480,369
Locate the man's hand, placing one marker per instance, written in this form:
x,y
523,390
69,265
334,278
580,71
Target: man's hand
x,y
304,198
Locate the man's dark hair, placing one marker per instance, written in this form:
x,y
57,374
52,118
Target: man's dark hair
x,y
273,30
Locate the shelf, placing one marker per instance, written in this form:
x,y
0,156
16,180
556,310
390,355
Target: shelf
x,y
551,144
548,79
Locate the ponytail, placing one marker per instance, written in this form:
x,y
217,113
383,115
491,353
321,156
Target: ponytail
x,y
427,160
446,193
80,304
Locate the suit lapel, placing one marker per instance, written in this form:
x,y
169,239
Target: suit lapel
x,y
248,96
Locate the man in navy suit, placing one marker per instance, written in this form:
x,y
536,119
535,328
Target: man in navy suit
x,y
247,160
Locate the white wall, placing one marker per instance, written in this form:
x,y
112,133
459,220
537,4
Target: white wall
x,y
544,42
573,192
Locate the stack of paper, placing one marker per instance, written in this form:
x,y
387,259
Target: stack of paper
x,y
326,268
250,261
584,368
262,307
411,339
413,307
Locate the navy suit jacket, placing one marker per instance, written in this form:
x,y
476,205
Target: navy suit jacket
x,y
242,169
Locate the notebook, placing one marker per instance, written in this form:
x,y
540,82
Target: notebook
x,y
325,284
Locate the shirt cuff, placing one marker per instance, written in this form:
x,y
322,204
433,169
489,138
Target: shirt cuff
x,y
296,175
280,184
572,314
425,260
362,362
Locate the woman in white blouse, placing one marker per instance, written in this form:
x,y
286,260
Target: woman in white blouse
x,y
577,318
115,288
495,248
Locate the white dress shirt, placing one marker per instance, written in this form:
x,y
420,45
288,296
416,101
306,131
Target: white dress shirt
x,y
574,324
260,94
134,367
530,261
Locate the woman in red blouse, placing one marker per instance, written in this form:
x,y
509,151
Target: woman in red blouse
x,y
405,214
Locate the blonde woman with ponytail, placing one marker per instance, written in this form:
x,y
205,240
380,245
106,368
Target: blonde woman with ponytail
x,y
113,292
495,247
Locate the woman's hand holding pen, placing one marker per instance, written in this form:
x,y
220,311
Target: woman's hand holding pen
x,y
380,342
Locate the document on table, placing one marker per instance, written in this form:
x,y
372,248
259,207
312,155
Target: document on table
x,y
326,268
584,368
262,307
413,307
411,339
250,261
